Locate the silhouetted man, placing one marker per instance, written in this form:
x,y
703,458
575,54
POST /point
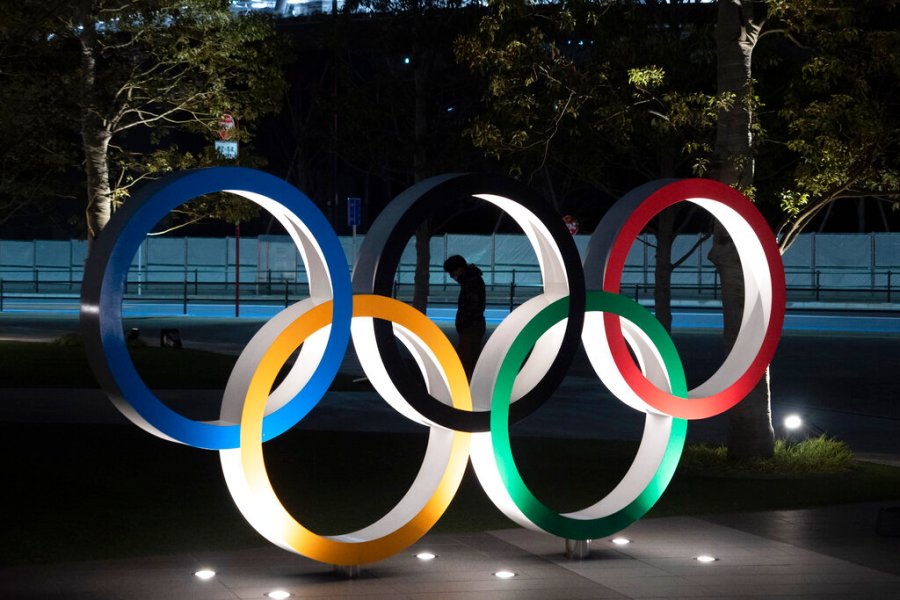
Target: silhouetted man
x,y
469,310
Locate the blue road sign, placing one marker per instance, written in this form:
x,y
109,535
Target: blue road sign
x,y
354,212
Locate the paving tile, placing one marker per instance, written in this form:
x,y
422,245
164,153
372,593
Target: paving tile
x,y
764,589
756,560
671,587
538,594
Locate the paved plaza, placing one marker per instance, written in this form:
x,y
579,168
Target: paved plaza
x,y
819,553
829,552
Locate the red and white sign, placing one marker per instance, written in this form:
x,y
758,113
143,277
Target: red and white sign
x,y
571,224
226,127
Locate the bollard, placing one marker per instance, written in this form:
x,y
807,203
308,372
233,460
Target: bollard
x,y
578,549
347,571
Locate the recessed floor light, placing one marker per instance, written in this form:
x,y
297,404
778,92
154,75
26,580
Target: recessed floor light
x,y
205,574
621,541
278,595
504,574
426,556
704,558
793,422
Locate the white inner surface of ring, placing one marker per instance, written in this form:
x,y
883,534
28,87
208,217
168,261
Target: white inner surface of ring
x,y
256,499
652,449
556,286
754,324
313,349
362,329
596,346
757,299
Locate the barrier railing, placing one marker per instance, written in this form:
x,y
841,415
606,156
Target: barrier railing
x,y
505,287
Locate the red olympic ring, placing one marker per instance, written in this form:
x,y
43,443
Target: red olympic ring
x,y
764,299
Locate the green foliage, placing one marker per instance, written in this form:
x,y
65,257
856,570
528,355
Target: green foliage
x,y
841,112
536,95
811,456
651,77
582,92
641,95
136,81
33,164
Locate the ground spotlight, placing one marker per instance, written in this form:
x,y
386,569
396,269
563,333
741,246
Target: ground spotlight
x,y
504,574
426,556
278,595
621,541
205,574
793,422
798,427
705,558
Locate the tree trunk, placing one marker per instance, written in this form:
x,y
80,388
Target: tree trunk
x,y
423,261
95,138
750,432
736,35
662,277
99,204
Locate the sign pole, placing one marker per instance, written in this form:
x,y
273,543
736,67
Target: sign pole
x,y
354,218
237,270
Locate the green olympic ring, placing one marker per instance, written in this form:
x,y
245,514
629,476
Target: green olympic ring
x,y
639,489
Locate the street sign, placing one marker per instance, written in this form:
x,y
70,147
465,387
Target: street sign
x,y
571,224
227,145
354,212
226,127
227,149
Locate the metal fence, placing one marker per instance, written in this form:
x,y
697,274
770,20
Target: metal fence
x,y
21,294
830,268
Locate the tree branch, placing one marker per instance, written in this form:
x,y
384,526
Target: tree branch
x,y
693,248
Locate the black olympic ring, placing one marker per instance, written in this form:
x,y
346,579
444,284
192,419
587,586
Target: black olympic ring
x,y
380,255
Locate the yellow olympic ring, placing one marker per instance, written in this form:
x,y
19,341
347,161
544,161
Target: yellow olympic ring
x,y
442,469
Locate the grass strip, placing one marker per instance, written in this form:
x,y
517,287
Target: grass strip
x,y
27,365
820,455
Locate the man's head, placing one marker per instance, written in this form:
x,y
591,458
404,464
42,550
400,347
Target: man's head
x,y
455,265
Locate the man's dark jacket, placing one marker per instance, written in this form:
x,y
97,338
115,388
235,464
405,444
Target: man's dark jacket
x,y
470,308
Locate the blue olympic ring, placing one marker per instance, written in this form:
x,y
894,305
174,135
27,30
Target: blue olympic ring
x,y
104,283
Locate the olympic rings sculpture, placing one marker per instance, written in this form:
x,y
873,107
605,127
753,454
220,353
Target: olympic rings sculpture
x,y
523,362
